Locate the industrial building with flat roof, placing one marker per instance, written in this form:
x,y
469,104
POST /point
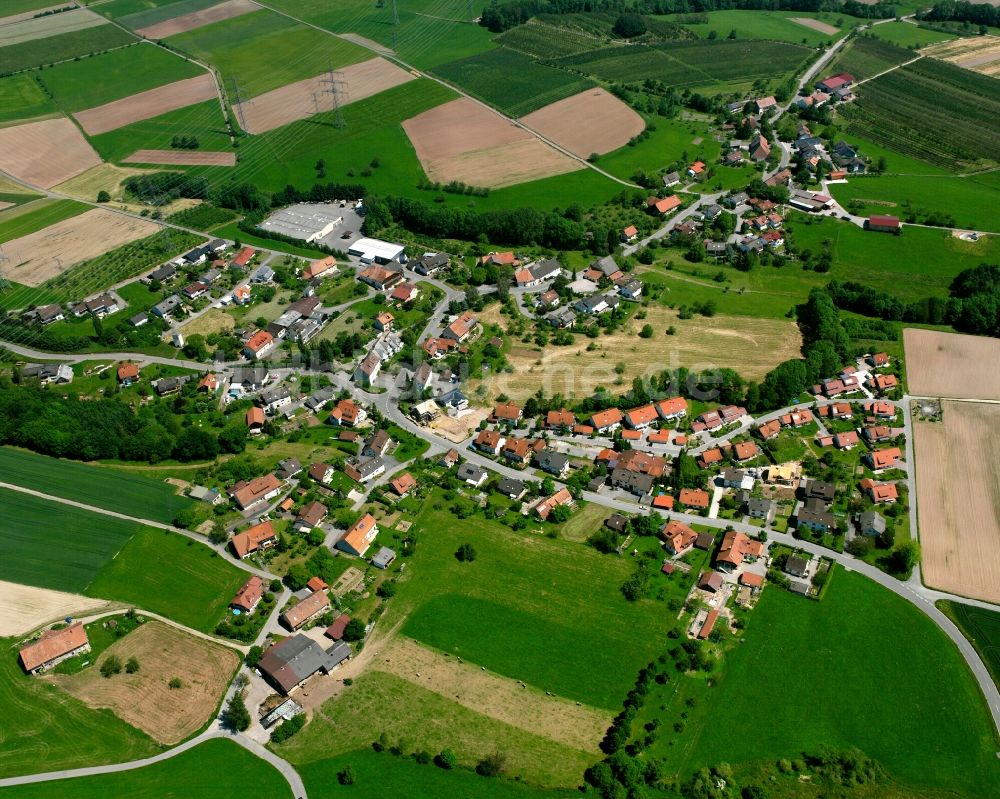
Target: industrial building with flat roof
x,y
374,251
308,222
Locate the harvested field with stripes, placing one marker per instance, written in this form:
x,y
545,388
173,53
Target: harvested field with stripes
x,y
182,158
146,105
593,121
198,19
45,153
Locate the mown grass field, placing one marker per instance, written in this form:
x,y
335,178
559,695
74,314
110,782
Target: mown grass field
x,y
47,729
293,51
919,263
56,546
971,202
866,56
906,34
430,32
217,768
203,121
120,8
982,628
103,488
774,25
91,82
20,221
41,52
21,98
384,703
382,775
161,11
823,674
11,7
511,81
549,597
170,574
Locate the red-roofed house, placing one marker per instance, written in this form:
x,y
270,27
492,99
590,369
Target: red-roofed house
x,y
255,419
561,497
883,383
53,647
630,233
848,440
664,206
244,257
325,267
709,625
882,493
709,457
404,484
249,595
258,345
883,223
461,328
259,537
663,502
489,441
694,498
405,292
128,373
638,418
605,421
735,548
672,408
563,418
679,537
769,430
745,450
696,168
880,459
506,412
359,536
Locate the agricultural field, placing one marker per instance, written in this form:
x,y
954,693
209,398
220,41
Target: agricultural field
x,y
193,14
61,47
956,501
23,608
21,98
781,26
144,699
98,486
979,54
462,141
27,30
45,153
968,200
593,121
543,40
750,344
19,7
919,263
981,627
295,52
32,217
217,768
170,574
57,546
147,105
512,82
906,34
867,55
953,130
869,680
949,365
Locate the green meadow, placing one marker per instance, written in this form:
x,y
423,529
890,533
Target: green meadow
x,y
63,46
30,218
170,574
982,628
21,98
906,34
862,668
264,50
220,769
56,546
110,489
759,24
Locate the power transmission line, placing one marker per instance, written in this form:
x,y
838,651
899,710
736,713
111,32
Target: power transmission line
x,y
335,87
395,13
238,105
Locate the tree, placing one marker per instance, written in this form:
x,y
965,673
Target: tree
x,y
355,630
906,557
131,666
175,683
647,331
491,765
386,590
445,759
111,665
103,196
859,546
629,25
346,775
254,655
465,553
236,716
559,514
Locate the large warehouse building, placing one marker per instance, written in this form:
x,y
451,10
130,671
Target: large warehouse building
x,y
306,222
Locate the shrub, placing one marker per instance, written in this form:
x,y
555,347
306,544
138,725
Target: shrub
x,y
131,666
287,729
103,196
346,776
445,759
236,716
386,589
175,683
466,553
111,665
492,765
355,630
647,331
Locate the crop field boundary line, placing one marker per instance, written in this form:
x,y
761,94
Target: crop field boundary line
x,y
460,91
890,69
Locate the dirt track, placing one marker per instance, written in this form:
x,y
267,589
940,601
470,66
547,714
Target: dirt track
x,y
463,141
45,153
958,500
92,233
951,365
146,105
144,699
593,121
198,19
181,157
25,607
529,709
295,101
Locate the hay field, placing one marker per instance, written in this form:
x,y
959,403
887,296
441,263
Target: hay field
x,y
593,121
463,141
109,178
182,158
978,54
45,153
295,101
213,321
958,500
750,345
816,25
147,104
951,365
33,257
25,607
144,699
42,27
198,19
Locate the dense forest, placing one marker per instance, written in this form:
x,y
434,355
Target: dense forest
x,y
962,11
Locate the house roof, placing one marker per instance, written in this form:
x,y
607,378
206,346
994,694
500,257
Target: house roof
x,y
706,628
336,630
665,501
519,447
884,220
642,415
507,411
404,484
694,498
313,513
259,341
606,418
128,371
736,546
751,579
678,534
711,580
291,661
561,497
249,540
246,494
664,205
563,417
883,458
672,406
249,595
360,535
53,644
745,450
469,471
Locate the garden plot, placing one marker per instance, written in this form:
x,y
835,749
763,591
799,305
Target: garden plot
x,y
146,105
593,121
463,141
198,19
295,101
40,256
958,501
51,25
182,158
25,607
145,699
45,153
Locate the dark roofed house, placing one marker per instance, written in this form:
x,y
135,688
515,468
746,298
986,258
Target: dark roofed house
x,y
471,474
710,581
796,566
336,630
510,487
291,662
616,522
552,462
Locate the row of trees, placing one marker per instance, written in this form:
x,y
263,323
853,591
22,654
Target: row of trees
x,y
963,11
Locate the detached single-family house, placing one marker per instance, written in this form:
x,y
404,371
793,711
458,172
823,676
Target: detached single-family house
x,y
538,273
249,494
253,539
472,475
249,595
553,462
663,206
359,536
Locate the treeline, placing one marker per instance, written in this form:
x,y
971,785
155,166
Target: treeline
x,y
66,427
499,17
962,11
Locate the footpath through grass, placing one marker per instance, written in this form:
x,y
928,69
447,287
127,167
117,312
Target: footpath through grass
x,y
863,668
46,729
217,768
131,494
170,574
982,628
